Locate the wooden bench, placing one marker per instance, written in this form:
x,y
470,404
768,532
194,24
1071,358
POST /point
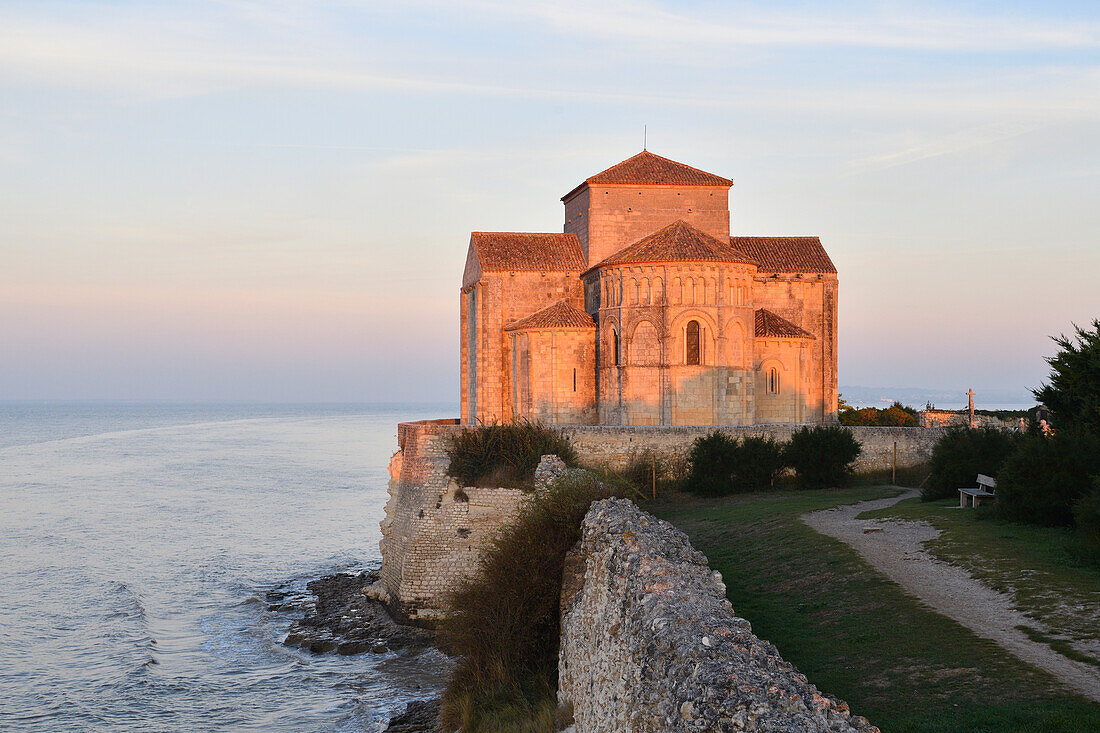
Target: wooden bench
x,y
986,487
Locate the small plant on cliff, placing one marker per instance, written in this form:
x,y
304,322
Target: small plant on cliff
x,y
961,454
504,455
822,456
504,622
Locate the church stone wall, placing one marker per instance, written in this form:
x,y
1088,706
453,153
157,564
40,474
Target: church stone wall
x,y
503,298
809,302
616,216
555,380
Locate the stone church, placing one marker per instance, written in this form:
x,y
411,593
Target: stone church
x,y
646,311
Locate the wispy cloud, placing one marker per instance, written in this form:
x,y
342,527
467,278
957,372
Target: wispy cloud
x,y
884,27
943,145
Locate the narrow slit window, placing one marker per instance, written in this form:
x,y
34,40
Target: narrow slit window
x,y
574,379
773,381
615,347
692,335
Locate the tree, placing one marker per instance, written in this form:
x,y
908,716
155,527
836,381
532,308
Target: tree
x,y
1073,394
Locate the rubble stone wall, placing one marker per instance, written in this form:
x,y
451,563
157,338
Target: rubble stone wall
x,y
650,643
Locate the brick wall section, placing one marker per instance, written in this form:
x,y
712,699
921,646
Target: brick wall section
x,y
430,540
649,641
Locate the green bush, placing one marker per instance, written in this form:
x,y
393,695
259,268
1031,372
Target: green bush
x,y
711,463
759,461
504,622
504,455
1073,394
720,464
1086,522
961,454
1046,475
822,456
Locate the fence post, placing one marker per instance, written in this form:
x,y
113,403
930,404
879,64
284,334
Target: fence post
x,y
894,480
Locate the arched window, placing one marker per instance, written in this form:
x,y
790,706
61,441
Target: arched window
x,y
691,350
773,381
614,347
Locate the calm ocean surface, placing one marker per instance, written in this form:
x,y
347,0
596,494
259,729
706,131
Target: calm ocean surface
x,y
137,542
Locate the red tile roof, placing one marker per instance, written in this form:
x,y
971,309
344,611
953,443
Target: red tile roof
x,y
558,315
770,324
785,254
648,169
502,251
678,242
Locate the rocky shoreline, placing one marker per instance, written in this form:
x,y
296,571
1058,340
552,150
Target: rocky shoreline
x,y
342,615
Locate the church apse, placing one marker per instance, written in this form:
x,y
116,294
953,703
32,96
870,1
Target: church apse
x,y
645,311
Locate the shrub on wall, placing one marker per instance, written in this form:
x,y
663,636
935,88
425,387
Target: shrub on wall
x,y
822,456
505,621
504,455
1046,476
961,454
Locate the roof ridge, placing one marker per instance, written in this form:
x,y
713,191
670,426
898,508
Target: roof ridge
x,y
768,323
649,169
688,244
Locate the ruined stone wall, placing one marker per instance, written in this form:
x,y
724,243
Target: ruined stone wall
x,y
434,531
649,641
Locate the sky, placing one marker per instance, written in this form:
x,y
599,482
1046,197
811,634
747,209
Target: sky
x,y
272,201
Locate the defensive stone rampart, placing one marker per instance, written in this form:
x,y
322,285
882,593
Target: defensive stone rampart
x,y
433,530
650,643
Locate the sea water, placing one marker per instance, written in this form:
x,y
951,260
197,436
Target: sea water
x,y
138,541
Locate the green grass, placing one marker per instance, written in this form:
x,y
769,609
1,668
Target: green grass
x,y
1033,565
855,633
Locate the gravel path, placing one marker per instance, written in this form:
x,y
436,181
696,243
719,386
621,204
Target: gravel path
x,y
896,548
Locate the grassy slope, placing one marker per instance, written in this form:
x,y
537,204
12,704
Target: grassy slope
x,y
1032,564
859,636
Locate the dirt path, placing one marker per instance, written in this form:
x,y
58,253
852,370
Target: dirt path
x,y
896,548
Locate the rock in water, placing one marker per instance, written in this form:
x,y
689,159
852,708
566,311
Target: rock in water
x,y
344,619
421,716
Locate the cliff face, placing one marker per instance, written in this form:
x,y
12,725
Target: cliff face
x,y
650,643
